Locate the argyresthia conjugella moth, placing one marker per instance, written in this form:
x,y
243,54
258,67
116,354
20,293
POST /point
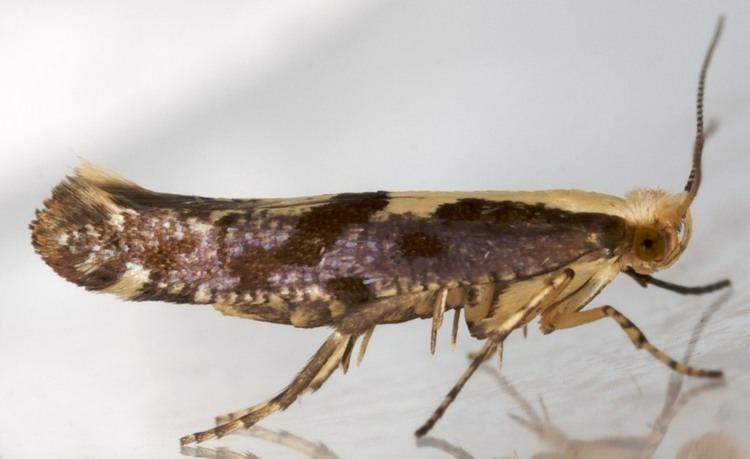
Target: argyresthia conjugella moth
x,y
355,261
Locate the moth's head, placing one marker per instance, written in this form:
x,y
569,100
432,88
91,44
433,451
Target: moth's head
x,y
660,222
660,226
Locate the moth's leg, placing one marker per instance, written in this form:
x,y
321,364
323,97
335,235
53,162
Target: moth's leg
x,y
541,301
437,317
644,280
479,299
363,344
538,303
330,366
526,302
574,319
367,316
363,323
311,377
324,372
454,327
495,341
487,350
346,358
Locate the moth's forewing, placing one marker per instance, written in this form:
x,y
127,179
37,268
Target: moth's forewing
x,y
309,261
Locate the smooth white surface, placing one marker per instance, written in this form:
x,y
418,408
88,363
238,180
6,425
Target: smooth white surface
x,y
260,99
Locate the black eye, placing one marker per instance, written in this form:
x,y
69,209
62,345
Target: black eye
x,y
649,244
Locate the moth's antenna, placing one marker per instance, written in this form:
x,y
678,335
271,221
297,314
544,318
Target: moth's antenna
x,y
694,180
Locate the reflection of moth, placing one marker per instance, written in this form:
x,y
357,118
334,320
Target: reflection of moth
x,y
313,450
613,447
715,445
709,445
355,261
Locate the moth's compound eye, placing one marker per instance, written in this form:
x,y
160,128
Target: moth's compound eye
x,y
649,244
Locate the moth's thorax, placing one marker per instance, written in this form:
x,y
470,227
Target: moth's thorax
x,y
660,226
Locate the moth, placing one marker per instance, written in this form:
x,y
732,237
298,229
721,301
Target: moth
x,y
355,261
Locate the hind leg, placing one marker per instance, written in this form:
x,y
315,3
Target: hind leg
x,y
335,352
311,377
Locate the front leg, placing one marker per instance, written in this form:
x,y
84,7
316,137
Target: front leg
x,y
574,319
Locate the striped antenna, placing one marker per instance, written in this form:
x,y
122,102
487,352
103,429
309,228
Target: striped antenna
x,y
694,180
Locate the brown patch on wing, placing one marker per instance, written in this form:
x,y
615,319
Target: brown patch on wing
x,y
314,232
419,244
318,229
468,209
532,219
349,290
253,267
167,255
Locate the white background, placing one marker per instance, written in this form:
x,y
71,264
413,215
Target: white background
x,y
284,98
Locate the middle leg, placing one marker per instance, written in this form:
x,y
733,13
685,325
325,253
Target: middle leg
x,y
495,339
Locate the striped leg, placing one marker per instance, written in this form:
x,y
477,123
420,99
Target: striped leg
x,y
311,377
489,348
335,351
437,317
495,340
575,319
